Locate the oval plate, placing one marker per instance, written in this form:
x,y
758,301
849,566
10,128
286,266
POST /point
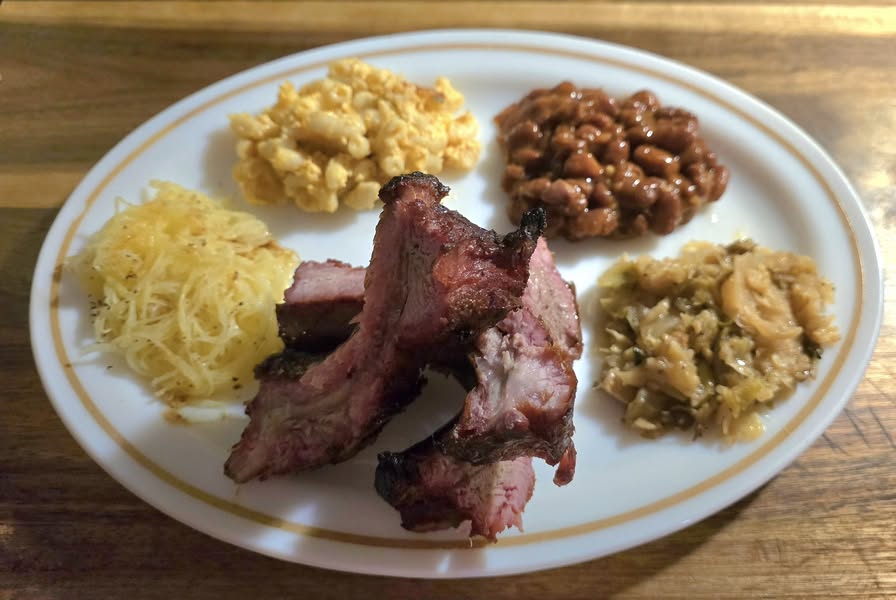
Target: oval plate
x,y
785,193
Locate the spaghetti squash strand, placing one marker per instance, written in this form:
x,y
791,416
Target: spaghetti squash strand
x,y
184,290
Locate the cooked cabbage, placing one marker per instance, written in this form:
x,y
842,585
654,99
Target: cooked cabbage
x,y
706,339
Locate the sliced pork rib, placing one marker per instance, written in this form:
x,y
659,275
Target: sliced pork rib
x,y
318,308
320,285
433,490
523,403
527,356
521,407
434,277
286,366
320,312
553,299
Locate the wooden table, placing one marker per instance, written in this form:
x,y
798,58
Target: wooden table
x,y
78,76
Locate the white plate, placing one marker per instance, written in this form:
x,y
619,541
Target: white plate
x,y
784,192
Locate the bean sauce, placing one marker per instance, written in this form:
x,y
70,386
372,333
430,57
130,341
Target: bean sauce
x,y
603,167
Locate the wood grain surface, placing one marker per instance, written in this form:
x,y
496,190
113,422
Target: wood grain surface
x,y
78,76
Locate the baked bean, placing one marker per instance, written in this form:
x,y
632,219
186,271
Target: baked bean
x,y
702,178
685,186
632,116
640,134
605,167
626,176
583,184
696,152
565,88
560,192
616,151
577,209
577,205
720,177
666,212
587,132
536,188
582,164
656,162
594,223
601,196
636,193
528,157
602,121
636,226
564,139
597,101
525,133
678,115
513,173
638,108
644,98
673,136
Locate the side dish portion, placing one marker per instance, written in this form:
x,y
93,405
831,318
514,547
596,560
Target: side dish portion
x,y
603,167
337,140
185,290
705,340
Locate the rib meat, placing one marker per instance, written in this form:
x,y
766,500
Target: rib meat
x,y
523,403
433,490
318,308
544,337
525,378
434,277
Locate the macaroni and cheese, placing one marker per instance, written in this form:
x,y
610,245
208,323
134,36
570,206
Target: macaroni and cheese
x,y
337,140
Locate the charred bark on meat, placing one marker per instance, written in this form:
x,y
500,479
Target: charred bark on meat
x,y
432,490
320,306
